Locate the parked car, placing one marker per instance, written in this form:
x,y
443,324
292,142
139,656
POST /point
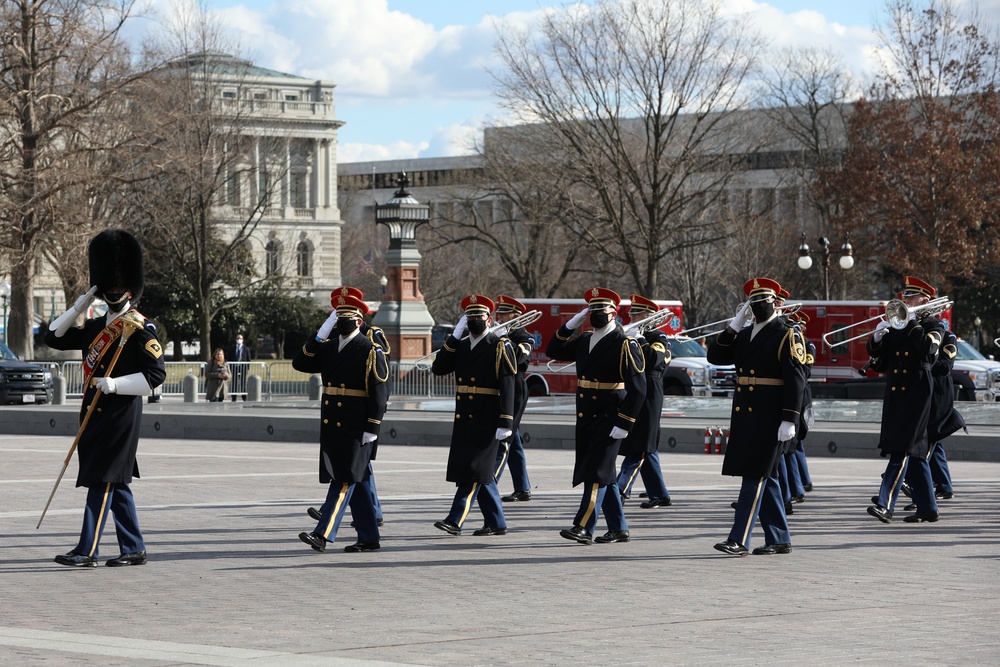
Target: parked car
x,y
977,378
23,382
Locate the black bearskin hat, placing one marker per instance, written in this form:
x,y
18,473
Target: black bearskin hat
x,y
116,262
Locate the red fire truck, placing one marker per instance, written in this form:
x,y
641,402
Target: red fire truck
x,y
689,373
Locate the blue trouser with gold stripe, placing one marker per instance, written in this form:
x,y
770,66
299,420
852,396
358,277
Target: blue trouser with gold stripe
x,y
647,466
760,497
511,452
937,461
917,473
489,502
338,498
367,487
114,498
606,499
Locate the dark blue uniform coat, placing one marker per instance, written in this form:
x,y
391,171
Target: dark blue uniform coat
x,y
108,445
614,360
360,371
774,357
484,402
645,435
523,343
944,418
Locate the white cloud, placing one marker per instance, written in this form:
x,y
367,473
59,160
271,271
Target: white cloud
x,y
398,150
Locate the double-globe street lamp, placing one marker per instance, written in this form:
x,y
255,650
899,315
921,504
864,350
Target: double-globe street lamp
x,y
805,261
4,295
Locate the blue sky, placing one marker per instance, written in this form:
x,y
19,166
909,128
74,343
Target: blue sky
x,y
410,74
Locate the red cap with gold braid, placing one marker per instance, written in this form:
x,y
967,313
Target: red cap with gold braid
x,y
345,291
599,297
915,286
642,304
476,304
760,288
508,304
349,306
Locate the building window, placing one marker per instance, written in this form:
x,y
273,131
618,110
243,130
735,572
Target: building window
x,y
298,194
272,258
291,97
228,94
303,260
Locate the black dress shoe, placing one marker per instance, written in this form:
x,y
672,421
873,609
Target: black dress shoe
x,y
732,548
362,546
489,530
944,495
771,549
907,491
613,536
74,559
807,487
577,534
880,513
137,558
655,502
644,495
448,527
789,509
874,500
314,514
911,507
317,542
734,504
517,496
799,498
922,517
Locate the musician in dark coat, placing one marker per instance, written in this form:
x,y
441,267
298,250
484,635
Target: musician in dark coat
x,y
641,447
795,460
512,451
611,388
907,355
123,362
355,394
366,487
484,366
767,407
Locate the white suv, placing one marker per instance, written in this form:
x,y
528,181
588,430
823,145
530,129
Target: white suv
x,y
976,377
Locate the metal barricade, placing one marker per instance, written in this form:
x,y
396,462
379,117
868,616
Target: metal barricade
x,y
283,380
72,371
240,371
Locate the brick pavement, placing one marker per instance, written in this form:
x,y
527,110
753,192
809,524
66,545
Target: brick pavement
x,y
229,583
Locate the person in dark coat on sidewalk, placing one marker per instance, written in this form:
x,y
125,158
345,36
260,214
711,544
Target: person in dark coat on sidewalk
x,y
355,395
767,407
123,361
906,355
484,366
611,388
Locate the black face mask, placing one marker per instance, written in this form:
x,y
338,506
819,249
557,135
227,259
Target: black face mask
x,y
346,325
477,327
762,310
599,319
116,301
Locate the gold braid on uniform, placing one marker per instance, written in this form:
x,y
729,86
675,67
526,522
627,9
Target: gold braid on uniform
x,y
371,336
626,357
505,353
371,367
796,345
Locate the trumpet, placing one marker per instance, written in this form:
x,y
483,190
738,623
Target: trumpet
x,y
654,321
518,322
897,314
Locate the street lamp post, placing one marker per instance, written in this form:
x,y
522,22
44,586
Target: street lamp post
x,y
805,261
979,333
4,294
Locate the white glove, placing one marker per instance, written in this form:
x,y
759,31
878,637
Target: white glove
x,y
577,320
618,433
741,318
501,331
126,385
460,327
880,330
63,323
786,431
504,433
327,327
368,438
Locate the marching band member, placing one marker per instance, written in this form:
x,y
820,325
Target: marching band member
x,y
509,308
767,407
484,366
355,393
907,356
611,388
117,377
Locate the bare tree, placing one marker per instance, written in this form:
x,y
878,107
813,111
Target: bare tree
x,y
204,154
637,99
63,69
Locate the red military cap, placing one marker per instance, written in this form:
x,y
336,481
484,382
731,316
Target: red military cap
x,y
782,295
641,303
757,288
800,317
915,286
349,306
599,297
345,291
508,304
476,304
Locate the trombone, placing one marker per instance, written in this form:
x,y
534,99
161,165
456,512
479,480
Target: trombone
x,y
518,322
783,310
654,321
897,314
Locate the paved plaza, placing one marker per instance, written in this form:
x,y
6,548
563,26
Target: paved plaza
x,y
229,583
